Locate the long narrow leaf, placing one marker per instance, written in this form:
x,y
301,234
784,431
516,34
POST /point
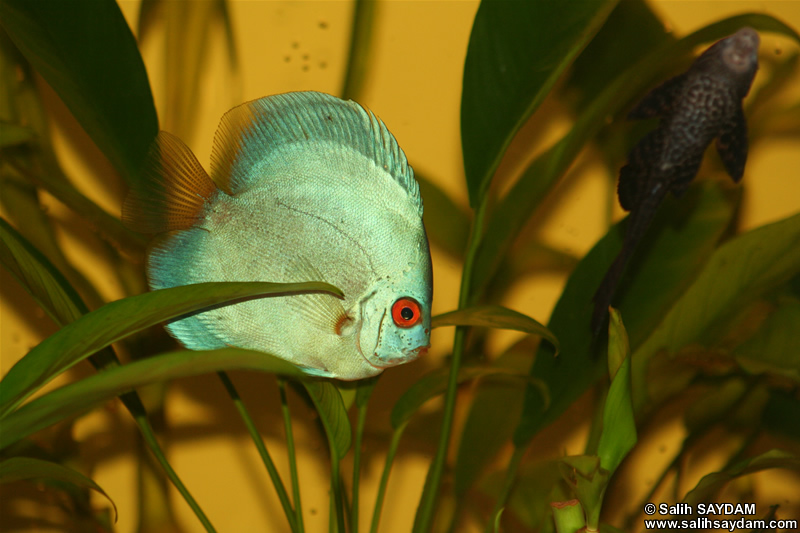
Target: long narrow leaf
x,y
120,319
78,397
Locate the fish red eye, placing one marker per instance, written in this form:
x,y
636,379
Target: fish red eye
x,y
406,312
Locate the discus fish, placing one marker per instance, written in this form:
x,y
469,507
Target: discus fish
x,y
696,107
303,187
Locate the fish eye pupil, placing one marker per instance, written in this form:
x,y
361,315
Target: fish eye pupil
x,y
407,313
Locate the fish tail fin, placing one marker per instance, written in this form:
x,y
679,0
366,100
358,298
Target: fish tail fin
x,y
174,191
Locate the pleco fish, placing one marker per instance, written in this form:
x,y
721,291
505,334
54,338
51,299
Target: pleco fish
x,y
696,107
303,187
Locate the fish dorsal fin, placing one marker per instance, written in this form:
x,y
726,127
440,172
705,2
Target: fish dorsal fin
x,y
250,133
173,192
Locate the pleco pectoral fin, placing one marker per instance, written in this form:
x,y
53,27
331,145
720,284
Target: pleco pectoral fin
x,y
659,101
732,145
174,189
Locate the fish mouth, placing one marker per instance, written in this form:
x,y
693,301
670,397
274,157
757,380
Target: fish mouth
x,y
406,358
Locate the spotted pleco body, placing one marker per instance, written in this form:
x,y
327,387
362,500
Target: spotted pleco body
x,y
695,108
306,187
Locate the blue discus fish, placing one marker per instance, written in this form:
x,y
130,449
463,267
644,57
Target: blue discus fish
x,y
303,187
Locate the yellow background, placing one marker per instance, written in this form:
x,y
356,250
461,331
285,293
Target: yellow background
x,y
414,84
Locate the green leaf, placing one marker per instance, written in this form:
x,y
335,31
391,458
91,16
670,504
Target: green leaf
x,y
774,347
568,516
118,320
708,487
619,427
738,273
28,468
523,199
360,47
517,50
682,237
332,413
79,397
86,52
435,383
497,317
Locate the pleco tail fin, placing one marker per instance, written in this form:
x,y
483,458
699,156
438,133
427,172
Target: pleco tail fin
x,y
638,223
174,190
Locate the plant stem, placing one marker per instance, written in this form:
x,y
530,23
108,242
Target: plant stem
x,y
287,425
262,449
362,419
152,442
387,468
360,36
424,518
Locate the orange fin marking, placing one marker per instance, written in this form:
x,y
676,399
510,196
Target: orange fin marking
x,y
174,191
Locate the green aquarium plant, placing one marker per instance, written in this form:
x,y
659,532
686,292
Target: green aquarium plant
x,y
704,324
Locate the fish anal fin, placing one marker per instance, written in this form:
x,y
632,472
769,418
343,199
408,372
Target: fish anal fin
x,y
732,145
659,101
174,190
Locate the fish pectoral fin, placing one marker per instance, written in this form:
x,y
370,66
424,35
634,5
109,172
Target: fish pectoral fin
x,y
174,189
659,101
732,145
323,310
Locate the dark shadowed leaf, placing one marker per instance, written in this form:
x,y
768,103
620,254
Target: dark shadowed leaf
x,y
446,224
536,181
494,316
329,405
81,396
14,134
120,319
692,225
86,52
28,468
708,487
774,347
517,50
738,273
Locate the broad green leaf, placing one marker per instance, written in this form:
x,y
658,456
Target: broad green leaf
x,y
435,383
446,223
81,396
86,52
120,319
619,427
774,347
28,468
496,404
739,272
682,237
494,316
523,199
517,50
631,30
332,413
589,481
708,487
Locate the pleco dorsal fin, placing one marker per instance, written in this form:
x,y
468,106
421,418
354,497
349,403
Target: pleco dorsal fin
x,y
249,133
174,190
